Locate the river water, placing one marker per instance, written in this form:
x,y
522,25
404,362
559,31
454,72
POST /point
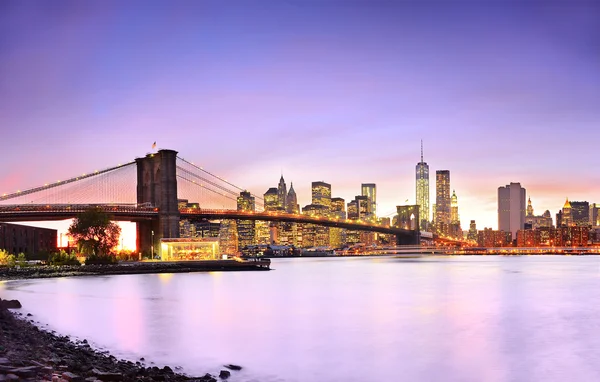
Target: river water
x,y
479,318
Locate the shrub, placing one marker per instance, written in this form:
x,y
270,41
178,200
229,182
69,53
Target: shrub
x,y
63,258
6,259
22,260
100,259
126,255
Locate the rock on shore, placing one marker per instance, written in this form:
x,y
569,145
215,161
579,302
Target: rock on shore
x,y
30,354
47,271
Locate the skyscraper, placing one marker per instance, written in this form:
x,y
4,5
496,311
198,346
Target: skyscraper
x,y
337,235
529,207
321,194
511,208
370,191
442,201
455,229
472,236
338,208
422,173
282,194
292,206
594,215
580,213
454,218
271,199
566,219
245,228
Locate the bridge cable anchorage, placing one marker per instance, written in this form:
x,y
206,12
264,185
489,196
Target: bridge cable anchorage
x,y
77,180
219,178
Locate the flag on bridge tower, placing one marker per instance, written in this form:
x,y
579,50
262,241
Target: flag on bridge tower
x,y
154,145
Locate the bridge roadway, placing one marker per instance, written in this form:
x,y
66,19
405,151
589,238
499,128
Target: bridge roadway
x,y
141,212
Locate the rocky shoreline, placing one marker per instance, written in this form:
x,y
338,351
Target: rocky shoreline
x,y
47,271
30,354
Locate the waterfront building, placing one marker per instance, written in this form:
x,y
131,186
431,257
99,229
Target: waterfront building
x,y
262,232
337,236
189,249
570,236
292,206
370,191
32,241
442,201
316,235
529,238
511,208
580,214
490,238
422,190
271,199
290,234
545,235
246,233
321,195
228,237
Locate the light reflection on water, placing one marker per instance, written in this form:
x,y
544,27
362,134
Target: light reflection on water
x,y
345,319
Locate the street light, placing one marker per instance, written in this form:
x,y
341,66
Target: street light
x,y
152,251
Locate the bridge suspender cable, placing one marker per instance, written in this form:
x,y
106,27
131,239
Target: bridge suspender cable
x,y
61,183
206,188
205,180
213,175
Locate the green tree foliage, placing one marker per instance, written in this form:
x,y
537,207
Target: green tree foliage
x,y
22,260
63,258
94,233
6,259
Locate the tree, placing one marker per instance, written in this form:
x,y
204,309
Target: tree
x,y
94,232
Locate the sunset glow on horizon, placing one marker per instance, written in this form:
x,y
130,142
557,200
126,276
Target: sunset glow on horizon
x,y
334,91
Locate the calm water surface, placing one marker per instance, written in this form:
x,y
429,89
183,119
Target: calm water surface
x,y
345,319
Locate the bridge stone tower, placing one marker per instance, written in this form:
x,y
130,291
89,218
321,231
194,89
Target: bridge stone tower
x,y
157,184
409,219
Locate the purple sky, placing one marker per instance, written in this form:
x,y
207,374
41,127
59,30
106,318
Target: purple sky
x,y
339,91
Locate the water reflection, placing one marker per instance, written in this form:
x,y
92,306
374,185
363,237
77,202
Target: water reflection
x,y
358,319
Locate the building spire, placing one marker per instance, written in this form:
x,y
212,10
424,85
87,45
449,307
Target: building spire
x,y
421,151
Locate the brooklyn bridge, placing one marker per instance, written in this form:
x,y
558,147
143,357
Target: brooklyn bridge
x,y
147,191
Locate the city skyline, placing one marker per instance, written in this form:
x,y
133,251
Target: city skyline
x,y
339,93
